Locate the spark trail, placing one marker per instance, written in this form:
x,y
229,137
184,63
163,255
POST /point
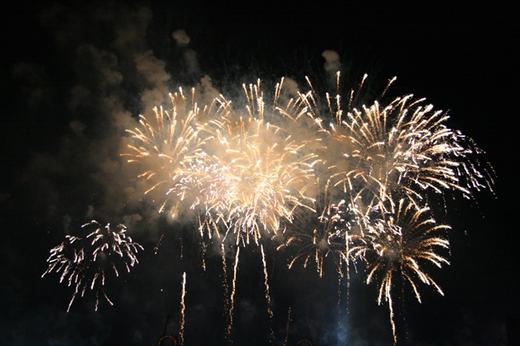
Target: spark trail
x,y
182,310
233,292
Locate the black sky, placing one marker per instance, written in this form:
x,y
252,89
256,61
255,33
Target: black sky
x,y
69,72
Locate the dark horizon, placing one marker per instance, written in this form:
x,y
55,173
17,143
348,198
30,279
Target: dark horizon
x,y
72,71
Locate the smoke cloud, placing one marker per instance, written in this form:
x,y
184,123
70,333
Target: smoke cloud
x,y
332,65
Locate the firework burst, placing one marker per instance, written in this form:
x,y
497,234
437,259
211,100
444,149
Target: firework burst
x,y
401,243
86,263
327,237
402,146
384,159
164,146
261,175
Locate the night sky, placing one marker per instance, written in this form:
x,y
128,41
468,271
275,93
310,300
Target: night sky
x,y
72,76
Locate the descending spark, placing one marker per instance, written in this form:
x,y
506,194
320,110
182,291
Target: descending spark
x,y
266,283
203,247
182,310
157,247
85,263
267,293
288,324
224,276
232,297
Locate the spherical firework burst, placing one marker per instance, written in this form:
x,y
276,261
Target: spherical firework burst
x,y
261,177
400,243
86,263
164,144
404,147
399,147
253,174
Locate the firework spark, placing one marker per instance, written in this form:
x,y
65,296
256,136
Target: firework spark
x,y
182,309
85,263
224,276
232,297
266,283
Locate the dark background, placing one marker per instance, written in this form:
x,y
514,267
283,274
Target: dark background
x,y
462,57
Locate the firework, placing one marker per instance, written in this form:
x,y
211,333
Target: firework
x,y
86,263
380,161
400,243
260,175
404,147
399,146
328,238
254,171
389,154
164,145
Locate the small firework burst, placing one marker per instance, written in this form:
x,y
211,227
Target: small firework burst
x,y
400,243
320,235
86,263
